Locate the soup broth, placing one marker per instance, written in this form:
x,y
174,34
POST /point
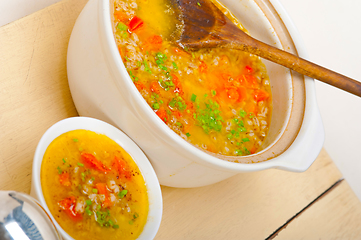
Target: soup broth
x,y
217,99
93,188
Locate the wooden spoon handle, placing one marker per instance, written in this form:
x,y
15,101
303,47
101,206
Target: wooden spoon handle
x,y
299,65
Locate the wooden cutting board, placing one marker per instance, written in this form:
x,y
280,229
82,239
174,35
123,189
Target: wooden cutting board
x,y
271,204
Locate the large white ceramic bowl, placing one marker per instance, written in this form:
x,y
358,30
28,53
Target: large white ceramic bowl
x,y
153,188
101,88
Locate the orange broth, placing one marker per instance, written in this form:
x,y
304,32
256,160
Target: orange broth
x,y
93,188
217,99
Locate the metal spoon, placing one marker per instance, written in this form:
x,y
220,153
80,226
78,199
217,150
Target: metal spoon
x,y
22,218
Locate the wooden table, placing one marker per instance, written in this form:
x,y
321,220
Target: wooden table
x,y
272,204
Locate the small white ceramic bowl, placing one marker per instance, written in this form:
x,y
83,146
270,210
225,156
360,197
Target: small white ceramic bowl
x,y
154,192
101,88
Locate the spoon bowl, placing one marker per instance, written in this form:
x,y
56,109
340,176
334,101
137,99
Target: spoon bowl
x,y
23,218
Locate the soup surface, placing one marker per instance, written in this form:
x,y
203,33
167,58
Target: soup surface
x,y
217,99
93,188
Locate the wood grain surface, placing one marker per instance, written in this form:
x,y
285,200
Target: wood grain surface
x,y
34,94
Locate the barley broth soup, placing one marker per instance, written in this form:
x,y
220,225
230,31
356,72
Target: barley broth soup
x,y
93,188
217,99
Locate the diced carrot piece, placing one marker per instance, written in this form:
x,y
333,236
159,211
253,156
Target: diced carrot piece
x,y
203,67
190,106
260,95
177,114
120,16
122,167
140,86
250,81
135,24
154,87
180,52
232,94
177,84
153,43
120,50
225,77
253,149
68,205
64,179
91,162
102,189
162,114
156,39
242,92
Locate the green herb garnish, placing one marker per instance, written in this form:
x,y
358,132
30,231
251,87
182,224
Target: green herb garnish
x,y
122,27
122,193
210,118
239,152
88,211
147,66
242,113
88,202
83,176
134,78
155,106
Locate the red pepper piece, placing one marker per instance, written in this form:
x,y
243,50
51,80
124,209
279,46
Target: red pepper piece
x,y
68,205
135,23
249,69
90,161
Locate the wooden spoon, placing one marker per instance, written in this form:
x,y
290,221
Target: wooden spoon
x,y
205,26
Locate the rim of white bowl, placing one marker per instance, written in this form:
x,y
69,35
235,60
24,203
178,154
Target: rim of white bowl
x,y
156,125
153,187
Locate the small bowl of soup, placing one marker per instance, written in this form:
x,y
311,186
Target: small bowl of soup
x,y
95,182
200,116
